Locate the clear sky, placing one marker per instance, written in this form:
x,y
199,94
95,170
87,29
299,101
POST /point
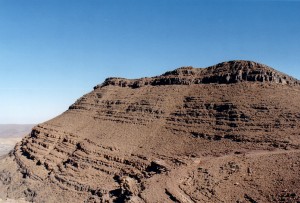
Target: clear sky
x,y
54,51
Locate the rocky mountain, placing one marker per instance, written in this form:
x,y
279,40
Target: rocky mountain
x,y
226,133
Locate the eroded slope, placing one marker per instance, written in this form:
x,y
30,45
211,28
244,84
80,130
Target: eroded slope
x,y
228,133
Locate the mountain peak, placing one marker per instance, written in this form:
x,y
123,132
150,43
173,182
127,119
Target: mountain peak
x,y
222,73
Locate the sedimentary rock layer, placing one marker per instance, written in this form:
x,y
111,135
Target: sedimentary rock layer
x,y
222,73
226,133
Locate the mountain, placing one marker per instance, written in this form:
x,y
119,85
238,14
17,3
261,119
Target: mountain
x,y
226,133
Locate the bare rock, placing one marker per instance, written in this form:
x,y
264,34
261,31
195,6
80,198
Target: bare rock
x,y
173,137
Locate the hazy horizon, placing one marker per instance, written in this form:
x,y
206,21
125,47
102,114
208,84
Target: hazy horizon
x,y
54,51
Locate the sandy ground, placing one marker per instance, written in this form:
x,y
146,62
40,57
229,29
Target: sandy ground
x,y
9,141
7,144
12,201
10,134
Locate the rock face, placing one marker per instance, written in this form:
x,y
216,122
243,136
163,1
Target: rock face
x,y
226,133
222,73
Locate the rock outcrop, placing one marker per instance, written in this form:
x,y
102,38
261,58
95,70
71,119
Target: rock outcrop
x,y
222,73
226,133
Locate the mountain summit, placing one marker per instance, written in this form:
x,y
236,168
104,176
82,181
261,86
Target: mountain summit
x,y
226,133
222,73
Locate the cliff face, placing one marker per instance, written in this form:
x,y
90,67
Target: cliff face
x,y
229,132
222,73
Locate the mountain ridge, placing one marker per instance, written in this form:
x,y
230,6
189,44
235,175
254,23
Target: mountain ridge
x,y
167,141
222,73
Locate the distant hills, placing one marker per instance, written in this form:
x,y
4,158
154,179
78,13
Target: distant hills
x,y
14,130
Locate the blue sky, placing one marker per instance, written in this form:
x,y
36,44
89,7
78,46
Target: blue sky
x,y
54,51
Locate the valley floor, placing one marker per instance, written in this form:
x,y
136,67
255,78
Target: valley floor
x,y
7,144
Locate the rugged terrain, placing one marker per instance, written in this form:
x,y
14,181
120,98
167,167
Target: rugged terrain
x,y
226,133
